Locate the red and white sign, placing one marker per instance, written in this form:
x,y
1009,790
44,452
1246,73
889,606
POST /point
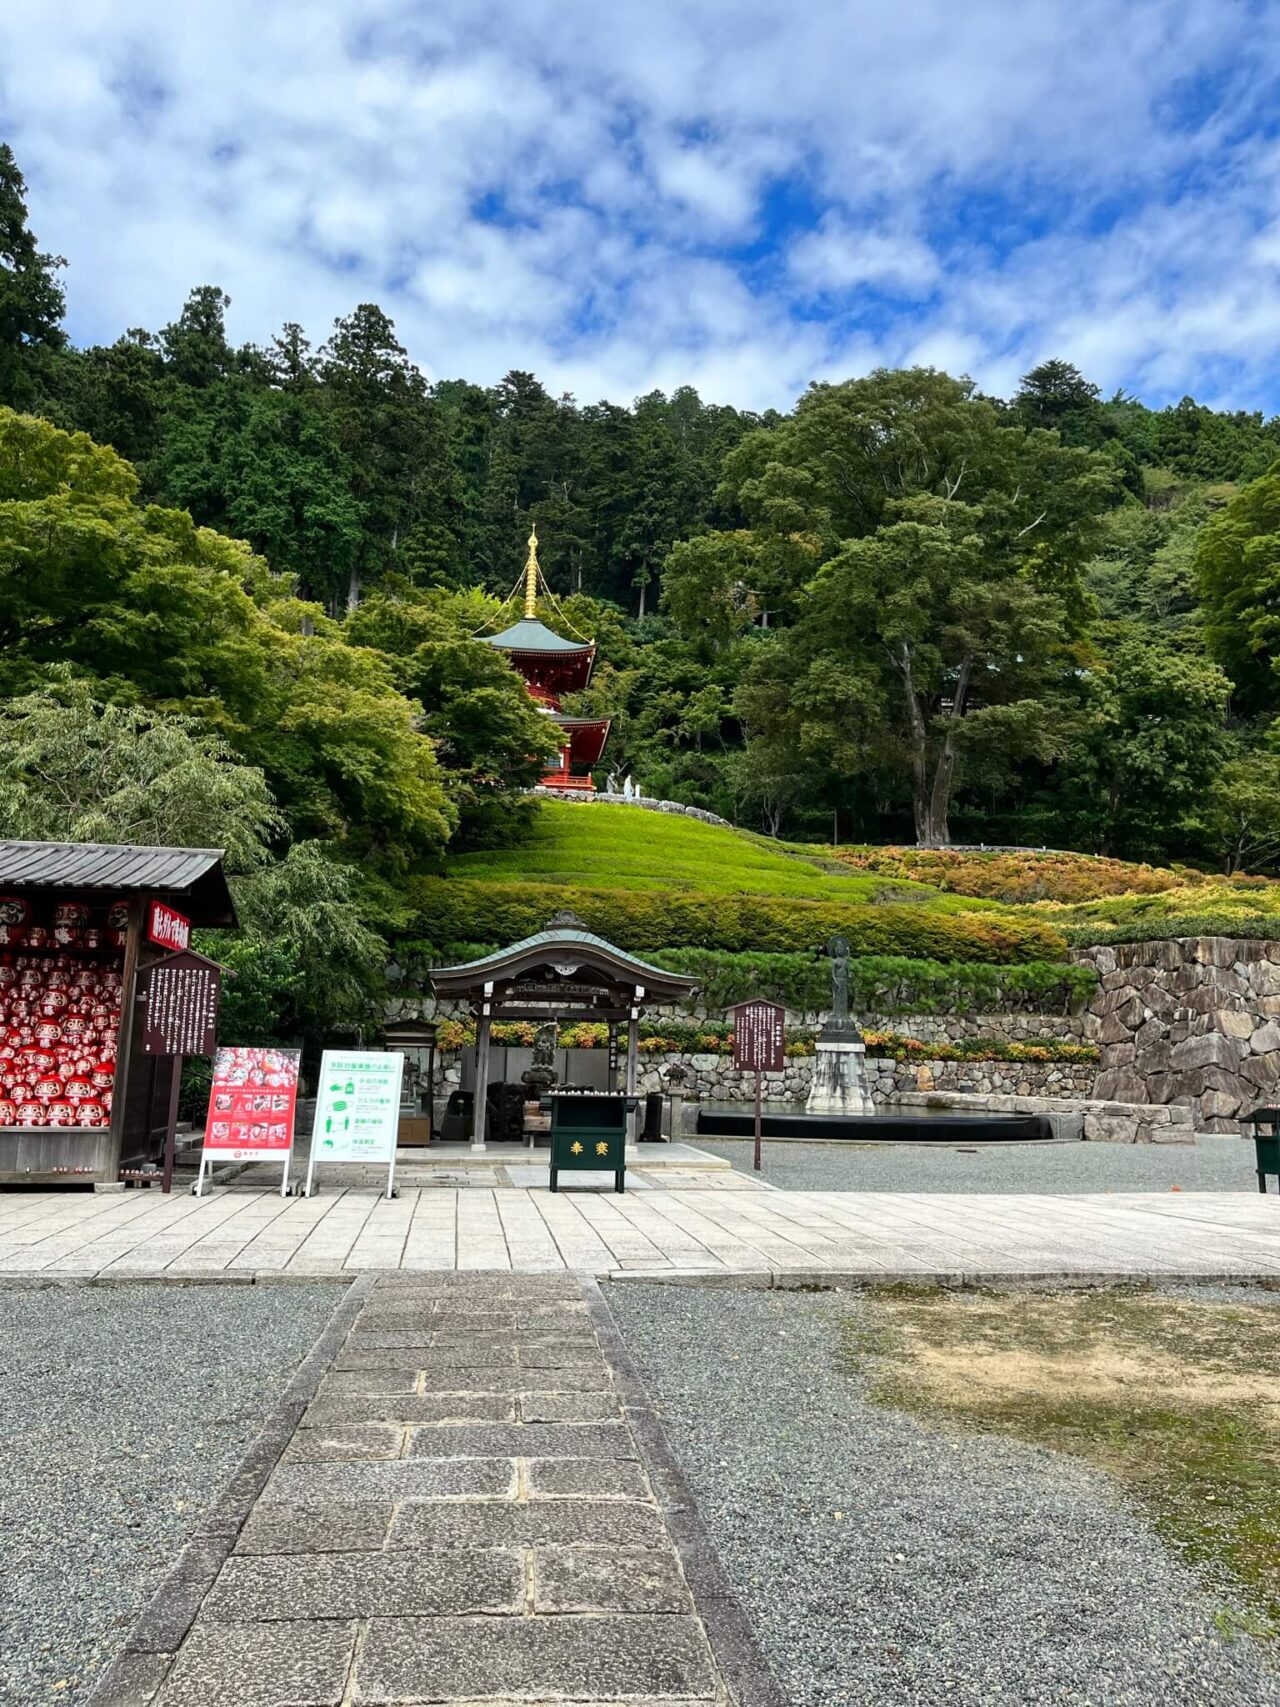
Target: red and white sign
x,y
167,928
251,1104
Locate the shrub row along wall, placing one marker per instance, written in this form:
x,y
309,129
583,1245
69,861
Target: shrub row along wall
x,y
883,985
451,909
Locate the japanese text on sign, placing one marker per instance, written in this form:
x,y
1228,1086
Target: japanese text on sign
x,y
252,1103
758,1036
181,1006
168,928
357,1106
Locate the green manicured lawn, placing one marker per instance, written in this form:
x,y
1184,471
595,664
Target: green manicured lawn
x,y
619,847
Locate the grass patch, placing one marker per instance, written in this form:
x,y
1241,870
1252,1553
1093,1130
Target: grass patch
x,y
1177,1398
622,846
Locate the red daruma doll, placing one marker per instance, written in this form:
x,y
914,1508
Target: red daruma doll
x,y
8,1111
30,1113
91,1113
62,1112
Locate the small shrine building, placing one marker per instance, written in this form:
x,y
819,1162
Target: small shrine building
x,y
553,666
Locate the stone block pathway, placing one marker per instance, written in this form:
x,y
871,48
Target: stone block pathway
x,y
771,1235
477,1506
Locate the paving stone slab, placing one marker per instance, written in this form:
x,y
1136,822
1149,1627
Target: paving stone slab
x,y
574,1478
335,1443
616,1579
406,1479
532,1440
431,1581
302,1664
569,1407
317,1528
454,1409
469,1353
531,1659
341,1383
500,1523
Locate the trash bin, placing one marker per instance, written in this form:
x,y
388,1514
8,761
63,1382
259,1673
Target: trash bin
x,y
1266,1141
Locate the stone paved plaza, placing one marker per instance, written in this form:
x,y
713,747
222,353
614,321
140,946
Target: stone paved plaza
x,y
475,1505
715,1228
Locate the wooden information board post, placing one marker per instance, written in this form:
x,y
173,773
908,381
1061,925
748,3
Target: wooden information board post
x,y
180,996
758,1042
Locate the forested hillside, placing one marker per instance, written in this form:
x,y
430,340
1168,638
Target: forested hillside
x,y
240,588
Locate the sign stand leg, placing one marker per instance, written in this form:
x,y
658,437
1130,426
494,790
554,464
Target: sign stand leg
x,y
197,1190
757,1155
391,1175
171,1126
284,1178
308,1188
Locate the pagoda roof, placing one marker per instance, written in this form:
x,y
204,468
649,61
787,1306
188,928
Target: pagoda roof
x,y
531,634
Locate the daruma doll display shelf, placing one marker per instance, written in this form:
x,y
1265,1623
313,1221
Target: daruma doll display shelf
x,y
61,976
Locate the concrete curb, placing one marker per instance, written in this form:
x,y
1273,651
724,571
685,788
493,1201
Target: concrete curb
x,y
134,1678
742,1664
852,1280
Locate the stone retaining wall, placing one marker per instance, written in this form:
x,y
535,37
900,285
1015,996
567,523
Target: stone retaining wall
x,y
1074,1117
1195,1021
713,1078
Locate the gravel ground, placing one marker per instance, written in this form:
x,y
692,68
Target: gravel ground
x,y
882,1562
123,1411
1211,1164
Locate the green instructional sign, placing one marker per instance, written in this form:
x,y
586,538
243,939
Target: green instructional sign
x,y
357,1109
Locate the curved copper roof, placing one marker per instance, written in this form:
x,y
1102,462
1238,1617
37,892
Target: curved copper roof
x,y
530,634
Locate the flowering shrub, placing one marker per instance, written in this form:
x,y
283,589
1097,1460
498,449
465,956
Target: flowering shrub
x,y
658,1038
1016,875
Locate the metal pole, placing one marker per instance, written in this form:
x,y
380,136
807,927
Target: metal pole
x,y
757,1156
171,1126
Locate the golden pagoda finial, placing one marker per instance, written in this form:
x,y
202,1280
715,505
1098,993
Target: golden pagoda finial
x,y
531,574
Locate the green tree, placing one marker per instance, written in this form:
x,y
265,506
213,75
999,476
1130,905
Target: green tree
x,y
1242,812
394,441
73,769
31,298
180,618
1150,747
307,961
950,591
1237,569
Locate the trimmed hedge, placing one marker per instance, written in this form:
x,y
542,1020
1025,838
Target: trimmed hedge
x,y
645,920
883,984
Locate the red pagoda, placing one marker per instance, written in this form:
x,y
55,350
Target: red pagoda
x,y
553,666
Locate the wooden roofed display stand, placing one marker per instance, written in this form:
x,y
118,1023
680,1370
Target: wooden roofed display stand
x,y
564,972
100,998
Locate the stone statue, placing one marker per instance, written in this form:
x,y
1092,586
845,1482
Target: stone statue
x,y
839,1084
541,1075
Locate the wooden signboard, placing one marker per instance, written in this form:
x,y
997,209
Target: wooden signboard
x,y
758,1036
759,1041
181,995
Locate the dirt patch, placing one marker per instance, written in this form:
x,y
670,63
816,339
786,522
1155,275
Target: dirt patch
x,y
1177,1397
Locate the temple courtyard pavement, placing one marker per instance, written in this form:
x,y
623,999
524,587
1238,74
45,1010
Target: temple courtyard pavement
x,y
687,1215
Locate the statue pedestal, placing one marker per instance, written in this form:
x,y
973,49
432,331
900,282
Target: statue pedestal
x,y
839,1080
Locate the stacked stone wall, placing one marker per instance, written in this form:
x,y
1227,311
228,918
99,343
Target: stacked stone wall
x,y
1194,1021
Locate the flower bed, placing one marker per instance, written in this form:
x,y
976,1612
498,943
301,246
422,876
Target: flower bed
x,y
710,1039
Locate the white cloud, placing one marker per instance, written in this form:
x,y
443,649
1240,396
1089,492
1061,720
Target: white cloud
x,y
595,192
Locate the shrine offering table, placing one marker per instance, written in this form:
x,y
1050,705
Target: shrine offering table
x,y
589,1134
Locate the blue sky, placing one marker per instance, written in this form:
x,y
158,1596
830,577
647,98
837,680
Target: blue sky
x,y
740,195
